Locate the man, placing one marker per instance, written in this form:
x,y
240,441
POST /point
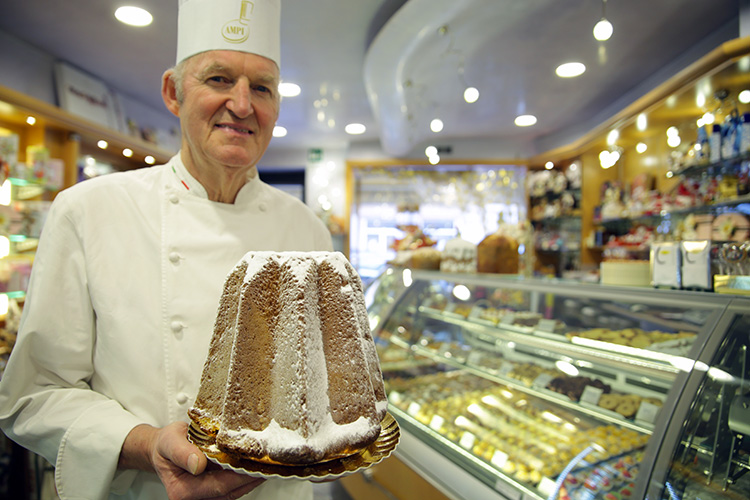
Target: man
x,y
129,272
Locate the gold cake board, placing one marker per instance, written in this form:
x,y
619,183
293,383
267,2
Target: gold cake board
x,y
364,458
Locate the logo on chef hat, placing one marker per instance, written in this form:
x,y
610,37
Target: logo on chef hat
x,y
237,30
251,26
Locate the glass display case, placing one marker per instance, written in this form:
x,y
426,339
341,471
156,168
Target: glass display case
x,y
522,389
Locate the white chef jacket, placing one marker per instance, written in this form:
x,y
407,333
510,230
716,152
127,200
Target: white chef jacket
x,y
119,314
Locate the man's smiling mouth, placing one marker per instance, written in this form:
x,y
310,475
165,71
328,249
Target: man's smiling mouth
x,y
235,128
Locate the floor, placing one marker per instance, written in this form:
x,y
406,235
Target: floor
x,y
330,491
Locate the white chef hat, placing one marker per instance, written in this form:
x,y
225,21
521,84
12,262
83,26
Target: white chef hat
x,y
243,25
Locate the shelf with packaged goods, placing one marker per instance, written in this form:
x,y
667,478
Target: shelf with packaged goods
x,y
440,354
68,135
713,208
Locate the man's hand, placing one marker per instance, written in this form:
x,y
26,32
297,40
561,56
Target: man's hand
x,y
181,466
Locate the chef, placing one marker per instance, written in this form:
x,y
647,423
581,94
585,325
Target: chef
x,y
129,271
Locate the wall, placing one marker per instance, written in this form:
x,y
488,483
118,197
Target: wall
x,y
27,69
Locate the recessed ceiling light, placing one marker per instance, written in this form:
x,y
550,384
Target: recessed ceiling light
x,y
102,144
150,160
744,96
525,120
570,70
355,129
133,16
436,125
127,152
471,94
279,131
288,89
30,120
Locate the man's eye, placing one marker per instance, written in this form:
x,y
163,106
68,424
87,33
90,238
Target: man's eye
x,y
262,88
218,79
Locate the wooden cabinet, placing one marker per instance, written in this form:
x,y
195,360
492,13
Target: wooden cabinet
x,y
640,133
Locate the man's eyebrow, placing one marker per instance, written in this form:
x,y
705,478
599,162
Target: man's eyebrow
x,y
212,68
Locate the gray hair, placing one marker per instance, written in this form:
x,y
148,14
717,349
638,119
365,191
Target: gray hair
x,y
178,77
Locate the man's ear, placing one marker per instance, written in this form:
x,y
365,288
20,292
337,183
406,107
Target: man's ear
x,y
169,92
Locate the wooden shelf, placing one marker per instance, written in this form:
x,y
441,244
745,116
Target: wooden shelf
x,y
68,133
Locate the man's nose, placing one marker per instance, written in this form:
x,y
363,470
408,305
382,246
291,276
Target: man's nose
x,y
239,102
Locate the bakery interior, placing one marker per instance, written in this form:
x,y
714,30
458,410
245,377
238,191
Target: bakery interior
x,y
560,305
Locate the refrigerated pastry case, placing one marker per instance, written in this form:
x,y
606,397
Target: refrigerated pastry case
x,y
523,389
705,453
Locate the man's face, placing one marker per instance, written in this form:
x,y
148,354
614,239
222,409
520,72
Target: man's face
x,y
229,108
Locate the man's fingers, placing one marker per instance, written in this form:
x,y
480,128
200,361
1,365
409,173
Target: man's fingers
x,y
173,445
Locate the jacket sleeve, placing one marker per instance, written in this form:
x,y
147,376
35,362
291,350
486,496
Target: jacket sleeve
x,y
46,402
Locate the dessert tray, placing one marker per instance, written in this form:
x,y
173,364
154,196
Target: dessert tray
x,y
364,458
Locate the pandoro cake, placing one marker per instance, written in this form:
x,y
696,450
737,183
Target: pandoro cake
x,y
292,375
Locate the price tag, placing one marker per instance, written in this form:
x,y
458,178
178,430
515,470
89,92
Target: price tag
x,y
546,325
543,380
437,422
546,486
506,368
508,319
476,312
474,358
467,440
499,459
591,395
394,397
413,409
647,413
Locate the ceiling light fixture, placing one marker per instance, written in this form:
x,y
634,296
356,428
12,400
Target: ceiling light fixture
x,y
30,120
102,144
355,129
133,16
603,29
613,136
436,125
570,70
525,120
744,96
288,89
549,165
641,123
150,160
127,152
279,131
471,94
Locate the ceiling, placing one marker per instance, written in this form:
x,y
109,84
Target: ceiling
x,y
394,65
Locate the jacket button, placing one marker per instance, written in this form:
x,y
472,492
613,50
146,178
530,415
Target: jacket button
x,y
174,257
182,398
262,207
173,198
176,326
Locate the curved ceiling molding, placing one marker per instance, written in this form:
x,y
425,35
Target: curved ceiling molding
x,y
387,62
